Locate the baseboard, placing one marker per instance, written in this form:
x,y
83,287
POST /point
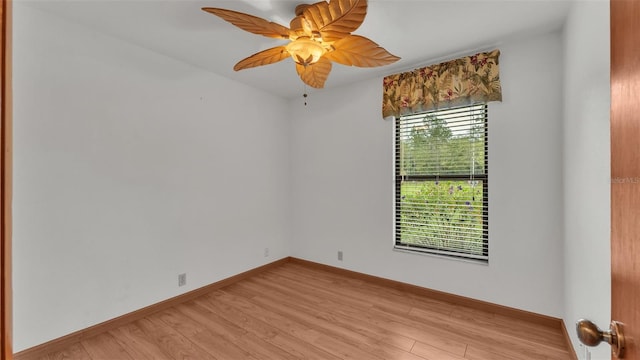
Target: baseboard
x,y
61,343
570,349
442,296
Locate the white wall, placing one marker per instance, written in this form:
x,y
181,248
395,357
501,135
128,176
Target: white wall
x,y
131,168
343,186
587,169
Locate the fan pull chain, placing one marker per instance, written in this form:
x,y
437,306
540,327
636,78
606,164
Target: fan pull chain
x,y
304,95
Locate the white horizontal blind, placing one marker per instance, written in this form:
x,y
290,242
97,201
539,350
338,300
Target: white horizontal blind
x,y
441,173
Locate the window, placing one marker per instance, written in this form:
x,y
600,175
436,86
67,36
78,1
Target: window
x,y
441,182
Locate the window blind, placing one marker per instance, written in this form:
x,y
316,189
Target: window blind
x,y
441,187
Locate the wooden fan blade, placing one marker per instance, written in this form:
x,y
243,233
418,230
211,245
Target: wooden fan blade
x,y
250,23
336,19
316,74
264,57
355,50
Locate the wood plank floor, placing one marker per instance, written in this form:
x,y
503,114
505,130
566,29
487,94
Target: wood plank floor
x,y
299,312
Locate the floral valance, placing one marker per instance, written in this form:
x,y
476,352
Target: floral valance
x,y
463,81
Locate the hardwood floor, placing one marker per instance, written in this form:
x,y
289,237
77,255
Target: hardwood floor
x,y
301,312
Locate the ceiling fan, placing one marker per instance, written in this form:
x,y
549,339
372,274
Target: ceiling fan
x,y
319,34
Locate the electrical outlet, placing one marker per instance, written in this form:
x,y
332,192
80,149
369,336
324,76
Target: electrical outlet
x,y
266,252
340,255
182,279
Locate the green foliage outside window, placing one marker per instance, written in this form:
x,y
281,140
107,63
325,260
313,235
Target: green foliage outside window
x,y
443,215
442,188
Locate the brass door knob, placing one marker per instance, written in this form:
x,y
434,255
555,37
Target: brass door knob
x,y
590,335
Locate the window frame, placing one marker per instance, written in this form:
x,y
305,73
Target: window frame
x,y
484,178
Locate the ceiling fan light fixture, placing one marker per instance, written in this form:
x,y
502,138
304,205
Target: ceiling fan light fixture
x,y
321,33
305,51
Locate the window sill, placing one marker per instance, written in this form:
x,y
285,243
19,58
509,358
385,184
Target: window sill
x,y
444,256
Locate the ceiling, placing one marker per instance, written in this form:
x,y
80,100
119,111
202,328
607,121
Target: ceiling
x,y
419,31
